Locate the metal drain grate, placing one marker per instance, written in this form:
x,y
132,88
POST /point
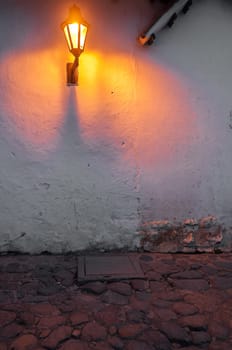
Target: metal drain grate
x,y
108,267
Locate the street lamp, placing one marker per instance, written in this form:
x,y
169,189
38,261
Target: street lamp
x,y
75,30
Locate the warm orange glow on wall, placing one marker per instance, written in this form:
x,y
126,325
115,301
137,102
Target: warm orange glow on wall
x,y
33,103
75,30
143,109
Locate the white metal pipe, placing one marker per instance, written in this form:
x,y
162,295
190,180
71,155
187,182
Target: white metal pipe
x,y
163,21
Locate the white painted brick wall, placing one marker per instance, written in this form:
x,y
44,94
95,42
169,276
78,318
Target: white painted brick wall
x,y
146,136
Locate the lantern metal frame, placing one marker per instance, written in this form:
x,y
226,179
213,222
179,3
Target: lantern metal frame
x,y
74,17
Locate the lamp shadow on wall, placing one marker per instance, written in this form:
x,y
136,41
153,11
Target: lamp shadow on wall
x,y
35,104
70,139
127,104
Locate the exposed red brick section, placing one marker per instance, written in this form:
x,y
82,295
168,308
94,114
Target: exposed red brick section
x,y
204,235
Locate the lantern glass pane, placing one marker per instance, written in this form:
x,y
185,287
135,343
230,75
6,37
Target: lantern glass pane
x,y
67,37
74,30
83,32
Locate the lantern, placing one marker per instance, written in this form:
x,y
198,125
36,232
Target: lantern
x,y
75,30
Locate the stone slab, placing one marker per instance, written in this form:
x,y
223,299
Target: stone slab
x,y
108,267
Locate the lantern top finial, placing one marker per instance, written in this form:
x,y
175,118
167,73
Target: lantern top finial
x,y
75,13
74,16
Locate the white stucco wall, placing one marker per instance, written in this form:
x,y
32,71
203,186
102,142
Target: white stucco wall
x,y
146,136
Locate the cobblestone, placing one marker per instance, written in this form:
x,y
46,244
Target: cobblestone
x,y
185,309
94,287
183,302
59,334
196,322
23,342
131,330
94,331
72,345
78,318
114,298
200,338
6,317
156,339
195,285
121,288
175,333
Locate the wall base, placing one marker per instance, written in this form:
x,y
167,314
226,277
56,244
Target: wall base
x,y
192,236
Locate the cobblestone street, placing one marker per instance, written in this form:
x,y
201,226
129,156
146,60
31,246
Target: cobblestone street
x,y
183,302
